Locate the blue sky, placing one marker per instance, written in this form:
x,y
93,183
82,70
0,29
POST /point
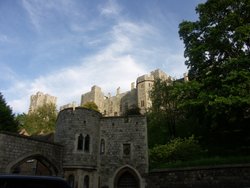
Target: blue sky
x,y
63,47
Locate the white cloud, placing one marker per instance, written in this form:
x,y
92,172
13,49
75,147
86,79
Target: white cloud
x,y
110,8
129,49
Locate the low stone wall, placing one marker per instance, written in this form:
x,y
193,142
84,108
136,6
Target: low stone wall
x,y
226,176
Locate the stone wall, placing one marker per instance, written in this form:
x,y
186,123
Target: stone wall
x,y
119,133
70,124
116,144
227,176
15,148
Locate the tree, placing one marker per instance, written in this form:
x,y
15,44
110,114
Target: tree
x,y
7,118
217,48
134,110
163,114
91,106
41,121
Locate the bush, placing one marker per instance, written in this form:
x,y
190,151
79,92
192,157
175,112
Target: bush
x,y
178,149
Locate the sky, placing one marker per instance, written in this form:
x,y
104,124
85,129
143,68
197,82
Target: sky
x,y
64,47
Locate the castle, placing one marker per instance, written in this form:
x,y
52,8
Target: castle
x,y
105,149
40,99
118,105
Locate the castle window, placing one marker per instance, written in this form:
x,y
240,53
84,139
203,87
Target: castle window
x,y
80,142
126,150
71,180
115,114
86,182
142,103
102,147
87,143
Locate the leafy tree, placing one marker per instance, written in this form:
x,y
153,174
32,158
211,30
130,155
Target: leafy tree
x,y
217,48
91,106
163,114
7,118
134,110
41,121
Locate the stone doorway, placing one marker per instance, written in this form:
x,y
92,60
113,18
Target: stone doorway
x,y
127,178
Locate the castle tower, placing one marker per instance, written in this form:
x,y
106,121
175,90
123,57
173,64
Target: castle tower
x,y
96,96
40,99
144,84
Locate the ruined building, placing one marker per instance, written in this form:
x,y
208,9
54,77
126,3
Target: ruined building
x,y
118,105
40,99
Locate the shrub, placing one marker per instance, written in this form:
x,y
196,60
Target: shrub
x,y
178,149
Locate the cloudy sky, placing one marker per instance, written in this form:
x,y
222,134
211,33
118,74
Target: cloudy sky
x,y
63,47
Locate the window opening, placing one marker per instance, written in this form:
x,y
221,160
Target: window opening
x,y
71,180
126,150
87,143
86,182
102,149
80,142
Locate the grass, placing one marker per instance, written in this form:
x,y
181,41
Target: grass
x,y
209,161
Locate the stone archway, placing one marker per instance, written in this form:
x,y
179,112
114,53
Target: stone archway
x,y
33,165
126,178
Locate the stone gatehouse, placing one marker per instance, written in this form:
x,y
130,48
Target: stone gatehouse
x,y
102,151
89,150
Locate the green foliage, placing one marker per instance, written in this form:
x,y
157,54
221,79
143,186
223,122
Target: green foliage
x,y
41,121
133,111
177,149
7,118
91,106
164,106
217,49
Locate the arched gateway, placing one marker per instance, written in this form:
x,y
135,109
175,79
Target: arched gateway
x,y
26,155
127,178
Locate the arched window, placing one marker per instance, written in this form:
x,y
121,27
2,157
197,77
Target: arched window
x,y
80,142
86,182
71,180
87,143
102,147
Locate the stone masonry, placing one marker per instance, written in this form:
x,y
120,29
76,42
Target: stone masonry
x,y
137,97
15,149
102,151
40,99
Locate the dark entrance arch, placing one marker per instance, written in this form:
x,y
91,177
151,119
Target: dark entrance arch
x,y
34,165
126,178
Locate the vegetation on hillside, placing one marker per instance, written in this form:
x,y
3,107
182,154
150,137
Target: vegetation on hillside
x,y
214,105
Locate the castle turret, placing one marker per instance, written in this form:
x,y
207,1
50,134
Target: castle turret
x,y
144,84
